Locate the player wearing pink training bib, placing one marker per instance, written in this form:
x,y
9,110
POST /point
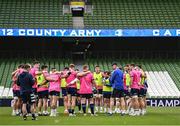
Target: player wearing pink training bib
x,y
54,79
64,90
16,91
142,92
86,85
33,73
135,86
71,78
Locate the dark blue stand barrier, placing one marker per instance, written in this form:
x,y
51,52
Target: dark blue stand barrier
x,y
153,102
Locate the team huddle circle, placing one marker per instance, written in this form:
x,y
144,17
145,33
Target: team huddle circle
x,y
121,90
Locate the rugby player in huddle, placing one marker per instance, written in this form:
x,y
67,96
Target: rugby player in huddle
x,y
121,90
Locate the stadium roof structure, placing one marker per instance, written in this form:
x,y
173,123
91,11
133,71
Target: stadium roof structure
x,y
106,14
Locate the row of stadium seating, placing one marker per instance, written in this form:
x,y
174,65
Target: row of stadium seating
x,y
161,85
134,14
163,75
106,14
33,14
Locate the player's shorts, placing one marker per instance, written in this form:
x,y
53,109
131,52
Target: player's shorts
x,y
34,90
54,93
99,91
107,94
145,92
72,91
28,97
43,94
117,93
87,96
64,92
142,92
78,95
134,92
126,93
16,94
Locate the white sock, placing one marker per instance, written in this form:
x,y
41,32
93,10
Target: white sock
x,y
132,110
110,111
137,112
96,108
143,111
101,108
52,110
123,111
129,108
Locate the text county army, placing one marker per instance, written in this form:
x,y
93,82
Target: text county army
x,y
56,32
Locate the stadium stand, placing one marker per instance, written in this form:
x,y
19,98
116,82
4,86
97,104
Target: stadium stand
x,y
33,14
106,14
159,86
134,14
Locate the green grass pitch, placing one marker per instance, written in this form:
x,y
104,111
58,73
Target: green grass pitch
x,y
155,116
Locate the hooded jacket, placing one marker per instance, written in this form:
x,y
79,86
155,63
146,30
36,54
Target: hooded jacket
x,y
25,81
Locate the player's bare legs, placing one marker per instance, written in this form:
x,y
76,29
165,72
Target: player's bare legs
x,y
111,105
45,106
73,104
40,103
117,106
141,105
65,104
122,105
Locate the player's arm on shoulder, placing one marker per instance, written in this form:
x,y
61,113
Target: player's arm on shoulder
x,y
38,72
72,82
65,75
58,72
80,74
49,78
14,72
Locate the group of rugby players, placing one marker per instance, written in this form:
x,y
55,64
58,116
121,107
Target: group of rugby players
x,y
121,91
